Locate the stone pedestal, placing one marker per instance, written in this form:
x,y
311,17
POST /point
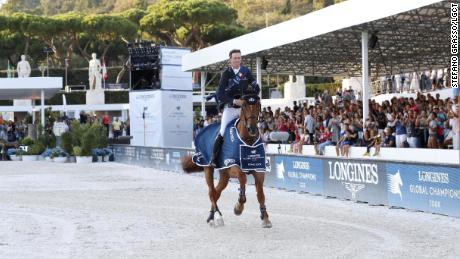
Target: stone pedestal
x,y
95,97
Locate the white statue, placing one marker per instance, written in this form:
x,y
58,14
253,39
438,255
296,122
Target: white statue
x,y
23,67
95,73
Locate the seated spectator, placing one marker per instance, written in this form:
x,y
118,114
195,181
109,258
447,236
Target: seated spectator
x,y
390,140
325,139
372,139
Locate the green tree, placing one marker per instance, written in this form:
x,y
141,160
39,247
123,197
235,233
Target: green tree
x,y
103,31
26,6
320,4
185,23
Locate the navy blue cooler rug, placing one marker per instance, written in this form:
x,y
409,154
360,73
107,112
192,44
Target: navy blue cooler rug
x,y
234,151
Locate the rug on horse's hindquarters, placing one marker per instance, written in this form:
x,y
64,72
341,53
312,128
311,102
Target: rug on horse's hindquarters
x,y
234,151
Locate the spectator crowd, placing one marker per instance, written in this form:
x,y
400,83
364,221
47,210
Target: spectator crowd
x,y
15,130
423,122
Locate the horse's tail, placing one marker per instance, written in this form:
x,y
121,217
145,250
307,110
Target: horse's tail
x,y
189,166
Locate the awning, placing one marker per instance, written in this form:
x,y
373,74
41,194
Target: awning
x,y
29,87
413,35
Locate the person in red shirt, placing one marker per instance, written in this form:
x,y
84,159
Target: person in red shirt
x,y
106,122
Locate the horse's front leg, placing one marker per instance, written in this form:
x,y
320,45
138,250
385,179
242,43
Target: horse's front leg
x,y
209,175
239,206
259,181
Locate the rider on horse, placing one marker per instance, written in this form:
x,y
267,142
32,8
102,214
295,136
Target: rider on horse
x,y
235,82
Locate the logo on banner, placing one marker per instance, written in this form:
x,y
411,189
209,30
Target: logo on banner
x,y
354,188
280,170
353,176
395,183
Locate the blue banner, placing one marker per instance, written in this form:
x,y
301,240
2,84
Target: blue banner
x,y
296,173
422,187
355,179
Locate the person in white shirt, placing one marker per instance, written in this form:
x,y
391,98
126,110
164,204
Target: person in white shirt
x,y
59,128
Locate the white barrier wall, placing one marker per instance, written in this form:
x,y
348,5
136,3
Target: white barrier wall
x,y
441,156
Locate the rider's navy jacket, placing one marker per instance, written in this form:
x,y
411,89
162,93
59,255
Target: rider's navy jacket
x,y
233,85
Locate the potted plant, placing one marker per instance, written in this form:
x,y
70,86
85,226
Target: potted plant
x,y
33,151
15,154
66,145
58,155
80,158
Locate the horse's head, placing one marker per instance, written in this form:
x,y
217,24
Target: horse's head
x,y
250,113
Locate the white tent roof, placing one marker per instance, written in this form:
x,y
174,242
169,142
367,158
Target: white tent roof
x,y
412,35
29,87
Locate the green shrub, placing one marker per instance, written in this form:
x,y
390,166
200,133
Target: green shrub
x,y
78,130
27,141
77,151
88,143
66,142
44,138
35,149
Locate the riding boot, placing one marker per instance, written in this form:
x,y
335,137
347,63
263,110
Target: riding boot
x,y
216,150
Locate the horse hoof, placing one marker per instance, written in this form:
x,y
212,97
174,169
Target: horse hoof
x,y
219,221
238,209
212,224
266,223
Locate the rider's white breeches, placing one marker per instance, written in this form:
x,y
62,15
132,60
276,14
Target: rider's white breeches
x,y
228,115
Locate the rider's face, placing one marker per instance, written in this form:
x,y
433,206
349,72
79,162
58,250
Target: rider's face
x,y
235,60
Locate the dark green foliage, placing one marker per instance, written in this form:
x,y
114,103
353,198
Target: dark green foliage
x,y
66,142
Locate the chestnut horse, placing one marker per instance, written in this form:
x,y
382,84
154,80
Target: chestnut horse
x,y
249,133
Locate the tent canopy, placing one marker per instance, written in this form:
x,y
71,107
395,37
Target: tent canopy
x,y
412,36
29,87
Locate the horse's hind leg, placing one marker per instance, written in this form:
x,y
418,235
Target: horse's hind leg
x,y
259,180
209,176
239,206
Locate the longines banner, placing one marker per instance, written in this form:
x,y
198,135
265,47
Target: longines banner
x,y
296,173
427,188
159,158
360,180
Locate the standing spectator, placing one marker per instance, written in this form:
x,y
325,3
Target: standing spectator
x,y
83,118
59,128
433,131
106,123
116,127
309,123
412,137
